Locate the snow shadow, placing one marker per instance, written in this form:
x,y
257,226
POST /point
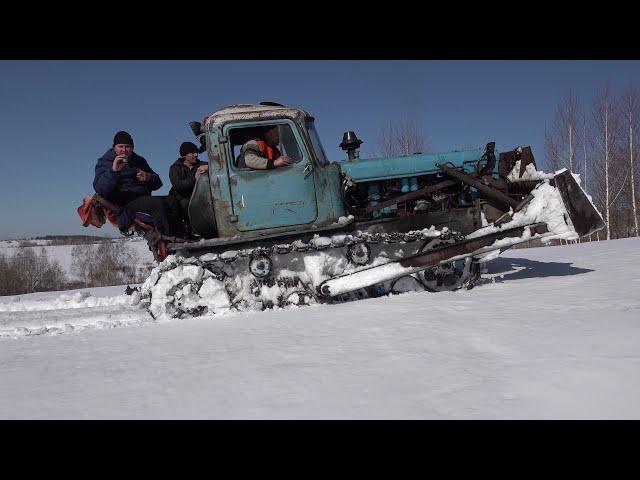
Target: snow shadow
x,y
521,268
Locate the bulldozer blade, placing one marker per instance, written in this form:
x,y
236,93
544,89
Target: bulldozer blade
x,y
584,216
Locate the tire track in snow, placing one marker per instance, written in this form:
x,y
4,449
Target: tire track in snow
x,y
68,313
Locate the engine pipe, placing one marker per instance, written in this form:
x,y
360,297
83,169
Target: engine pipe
x,y
396,200
486,189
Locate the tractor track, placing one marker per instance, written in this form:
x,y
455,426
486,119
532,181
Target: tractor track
x,y
283,274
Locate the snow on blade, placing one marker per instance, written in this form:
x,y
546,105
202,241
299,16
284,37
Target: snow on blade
x,y
546,207
530,173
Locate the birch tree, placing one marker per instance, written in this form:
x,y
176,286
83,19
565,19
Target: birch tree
x,y
609,174
631,114
562,138
584,149
401,137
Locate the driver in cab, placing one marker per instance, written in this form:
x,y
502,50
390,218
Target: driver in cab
x,y
261,153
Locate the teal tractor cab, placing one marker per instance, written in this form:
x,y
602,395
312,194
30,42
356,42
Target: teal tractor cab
x,y
233,204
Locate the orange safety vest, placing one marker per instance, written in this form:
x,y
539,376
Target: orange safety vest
x,y
270,153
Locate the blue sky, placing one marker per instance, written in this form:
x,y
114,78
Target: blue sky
x,y
58,117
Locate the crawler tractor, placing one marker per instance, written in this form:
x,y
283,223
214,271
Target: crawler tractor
x,y
321,231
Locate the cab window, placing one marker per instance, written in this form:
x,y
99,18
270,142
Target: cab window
x,y
317,145
287,145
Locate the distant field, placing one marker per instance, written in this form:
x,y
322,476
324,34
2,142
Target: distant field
x,y
62,252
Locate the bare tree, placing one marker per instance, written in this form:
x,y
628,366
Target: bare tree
x,y
607,163
631,104
7,278
386,142
401,137
562,139
108,263
602,146
53,277
584,149
27,272
31,269
601,150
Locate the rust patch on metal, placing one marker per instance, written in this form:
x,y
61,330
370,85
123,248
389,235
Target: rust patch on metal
x,y
223,212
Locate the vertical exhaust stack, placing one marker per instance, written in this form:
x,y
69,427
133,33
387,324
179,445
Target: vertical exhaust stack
x,y
350,144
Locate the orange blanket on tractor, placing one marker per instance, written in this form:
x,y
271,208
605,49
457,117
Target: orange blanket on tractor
x,y
92,212
95,211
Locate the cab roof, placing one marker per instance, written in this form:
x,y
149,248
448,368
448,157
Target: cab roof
x,y
248,111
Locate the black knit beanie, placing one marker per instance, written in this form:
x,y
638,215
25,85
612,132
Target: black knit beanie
x,y
122,138
187,147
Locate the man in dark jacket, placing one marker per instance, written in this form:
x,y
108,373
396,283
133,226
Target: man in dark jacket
x,y
125,178
183,175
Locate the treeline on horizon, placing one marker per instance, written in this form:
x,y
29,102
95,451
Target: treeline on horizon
x,y
100,264
597,138
61,240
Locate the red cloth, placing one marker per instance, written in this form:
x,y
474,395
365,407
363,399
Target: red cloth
x,y
88,213
112,217
92,213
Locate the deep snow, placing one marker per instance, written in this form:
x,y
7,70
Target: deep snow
x,y
554,334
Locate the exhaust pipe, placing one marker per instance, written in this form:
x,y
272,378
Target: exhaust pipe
x,y
350,144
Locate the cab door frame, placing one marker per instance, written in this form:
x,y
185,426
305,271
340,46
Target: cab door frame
x,y
286,196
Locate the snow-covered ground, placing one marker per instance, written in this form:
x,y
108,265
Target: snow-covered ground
x,y
549,333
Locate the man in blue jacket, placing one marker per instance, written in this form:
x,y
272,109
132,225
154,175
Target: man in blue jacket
x,y
126,179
